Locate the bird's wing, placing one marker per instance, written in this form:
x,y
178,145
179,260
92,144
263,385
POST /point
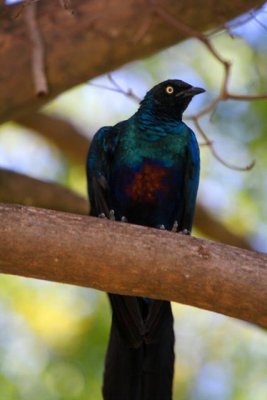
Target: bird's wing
x,y
126,310
191,181
97,169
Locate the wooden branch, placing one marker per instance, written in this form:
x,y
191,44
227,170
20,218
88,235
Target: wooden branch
x,y
101,36
21,189
38,51
122,258
61,132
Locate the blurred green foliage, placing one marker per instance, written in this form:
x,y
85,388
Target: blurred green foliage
x,y
52,336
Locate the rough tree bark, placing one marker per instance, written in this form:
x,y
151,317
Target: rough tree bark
x,y
101,36
134,260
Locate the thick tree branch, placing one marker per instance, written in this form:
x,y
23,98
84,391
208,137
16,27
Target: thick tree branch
x,y
101,36
133,260
60,132
21,189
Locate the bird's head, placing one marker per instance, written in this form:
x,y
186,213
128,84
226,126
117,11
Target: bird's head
x,y
170,98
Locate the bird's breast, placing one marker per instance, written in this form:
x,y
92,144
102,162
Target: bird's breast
x,y
150,181
147,182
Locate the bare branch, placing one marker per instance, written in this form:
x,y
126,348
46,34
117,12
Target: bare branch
x,y
245,97
128,92
117,88
133,260
187,31
38,67
214,152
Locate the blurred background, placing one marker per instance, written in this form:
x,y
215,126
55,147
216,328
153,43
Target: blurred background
x,y
53,336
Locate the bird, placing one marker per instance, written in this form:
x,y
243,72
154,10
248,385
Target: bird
x,y
145,171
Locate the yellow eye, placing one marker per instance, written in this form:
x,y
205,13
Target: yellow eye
x,y
169,89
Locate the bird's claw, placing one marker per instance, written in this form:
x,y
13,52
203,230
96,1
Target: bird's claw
x,y
175,226
112,215
162,227
185,232
102,215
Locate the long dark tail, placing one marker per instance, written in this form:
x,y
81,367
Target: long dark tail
x,y
140,355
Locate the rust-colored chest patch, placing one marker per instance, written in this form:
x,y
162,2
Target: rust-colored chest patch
x,y
147,183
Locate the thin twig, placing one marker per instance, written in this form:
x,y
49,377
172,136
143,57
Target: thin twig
x,y
206,110
127,92
38,65
246,97
214,152
237,22
117,88
187,31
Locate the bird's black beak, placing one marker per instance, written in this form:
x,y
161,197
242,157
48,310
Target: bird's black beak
x,y
193,91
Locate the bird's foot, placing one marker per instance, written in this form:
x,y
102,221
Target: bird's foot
x,y
102,215
112,215
185,232
162,227
175,226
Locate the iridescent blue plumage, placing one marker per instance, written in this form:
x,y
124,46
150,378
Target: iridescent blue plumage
x,y
146,169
